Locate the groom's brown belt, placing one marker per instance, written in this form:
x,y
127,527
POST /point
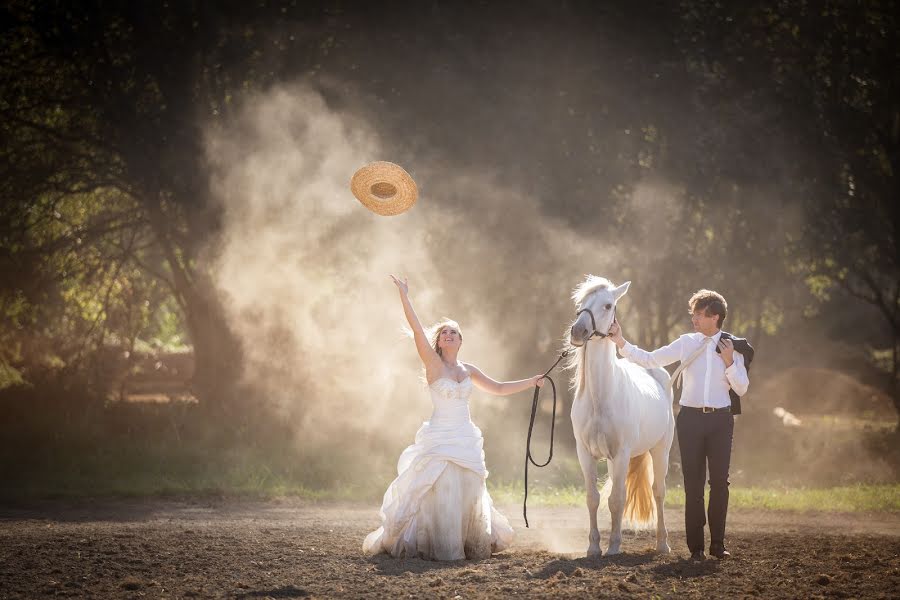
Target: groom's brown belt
x,y
707,409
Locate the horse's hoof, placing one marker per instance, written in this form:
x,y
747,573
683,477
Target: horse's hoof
x,y
611,551
594,553
663,549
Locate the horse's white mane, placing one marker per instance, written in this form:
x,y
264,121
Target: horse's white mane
x,y
590,284
575,360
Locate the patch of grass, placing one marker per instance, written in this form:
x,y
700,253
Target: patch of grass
x,y
245,476
856,498
54,447
557,495
171,450
244,473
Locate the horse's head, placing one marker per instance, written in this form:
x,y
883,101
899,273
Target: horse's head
x,y
595,302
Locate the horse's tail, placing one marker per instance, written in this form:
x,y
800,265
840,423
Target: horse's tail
x,y
640,506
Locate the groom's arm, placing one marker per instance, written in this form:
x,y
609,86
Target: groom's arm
x,y
735,368
657,358
737,375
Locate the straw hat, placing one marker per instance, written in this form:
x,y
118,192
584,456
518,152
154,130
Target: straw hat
x,y
384,188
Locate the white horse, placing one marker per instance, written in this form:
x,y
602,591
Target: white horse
x,y
623,413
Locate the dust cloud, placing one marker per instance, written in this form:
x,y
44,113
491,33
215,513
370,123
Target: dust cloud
x,y
304,271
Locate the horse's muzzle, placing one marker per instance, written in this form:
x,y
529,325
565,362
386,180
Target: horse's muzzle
x,y
577,338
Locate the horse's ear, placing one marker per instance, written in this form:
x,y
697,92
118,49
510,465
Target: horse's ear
x,y
620,291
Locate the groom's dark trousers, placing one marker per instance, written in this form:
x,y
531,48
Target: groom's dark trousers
x,y
705,439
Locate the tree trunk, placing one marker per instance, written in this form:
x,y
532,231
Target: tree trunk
x,y
217,353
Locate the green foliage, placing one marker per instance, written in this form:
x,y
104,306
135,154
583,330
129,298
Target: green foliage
x,y
742,111
9,376
103,186
87,288
823,73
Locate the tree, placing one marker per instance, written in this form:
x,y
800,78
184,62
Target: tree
x,y
831,68
103,113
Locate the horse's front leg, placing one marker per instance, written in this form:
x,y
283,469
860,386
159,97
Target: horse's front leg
x,y
660,456
589,470
618,472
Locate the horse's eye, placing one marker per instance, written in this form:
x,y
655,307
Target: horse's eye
x,y
608,306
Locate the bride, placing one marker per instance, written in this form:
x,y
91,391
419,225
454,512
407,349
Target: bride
x,y
438,506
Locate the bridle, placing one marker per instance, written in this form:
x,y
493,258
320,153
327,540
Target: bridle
x,y
595,333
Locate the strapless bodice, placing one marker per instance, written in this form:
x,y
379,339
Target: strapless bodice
x,y
450,399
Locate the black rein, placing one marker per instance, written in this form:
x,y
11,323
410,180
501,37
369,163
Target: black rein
x,y
534,404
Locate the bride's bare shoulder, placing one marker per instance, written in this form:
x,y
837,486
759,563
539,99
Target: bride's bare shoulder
x,y
472,370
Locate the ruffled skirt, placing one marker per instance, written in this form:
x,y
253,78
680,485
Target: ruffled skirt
x,y
438,507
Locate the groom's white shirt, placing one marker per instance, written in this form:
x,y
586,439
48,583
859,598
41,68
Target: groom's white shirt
x,y
706,380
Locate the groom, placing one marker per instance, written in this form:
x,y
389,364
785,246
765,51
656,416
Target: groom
x,y
705,421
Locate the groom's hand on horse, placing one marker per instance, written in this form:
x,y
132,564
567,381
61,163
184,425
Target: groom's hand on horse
x,y
615,334
726,347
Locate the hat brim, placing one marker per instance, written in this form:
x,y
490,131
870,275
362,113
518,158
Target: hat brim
x,y
384,188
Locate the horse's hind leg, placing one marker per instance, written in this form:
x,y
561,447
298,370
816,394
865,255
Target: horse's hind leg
x,y
589,470
660,456
618,473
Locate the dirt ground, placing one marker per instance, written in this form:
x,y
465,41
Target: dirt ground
x,y
234,549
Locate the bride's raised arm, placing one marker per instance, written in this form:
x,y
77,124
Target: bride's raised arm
x,y
501,388
429,357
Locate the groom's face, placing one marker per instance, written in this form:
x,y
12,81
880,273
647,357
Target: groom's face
x,y
705,323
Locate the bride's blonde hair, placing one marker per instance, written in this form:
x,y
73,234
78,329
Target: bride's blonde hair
x,y
433,333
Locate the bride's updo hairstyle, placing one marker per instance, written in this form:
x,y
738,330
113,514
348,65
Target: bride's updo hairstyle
x,y
434,332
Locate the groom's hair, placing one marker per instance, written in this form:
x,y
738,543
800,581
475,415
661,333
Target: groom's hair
x,y
713,303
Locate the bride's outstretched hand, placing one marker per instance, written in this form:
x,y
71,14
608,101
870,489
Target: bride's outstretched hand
x,y
538,380
403,286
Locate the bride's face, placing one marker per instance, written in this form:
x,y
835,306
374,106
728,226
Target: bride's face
x,y
449,338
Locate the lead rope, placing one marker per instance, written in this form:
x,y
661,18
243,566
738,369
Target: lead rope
x,y
534,404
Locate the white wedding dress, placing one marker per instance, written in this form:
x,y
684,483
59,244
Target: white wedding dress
x,y
438,506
